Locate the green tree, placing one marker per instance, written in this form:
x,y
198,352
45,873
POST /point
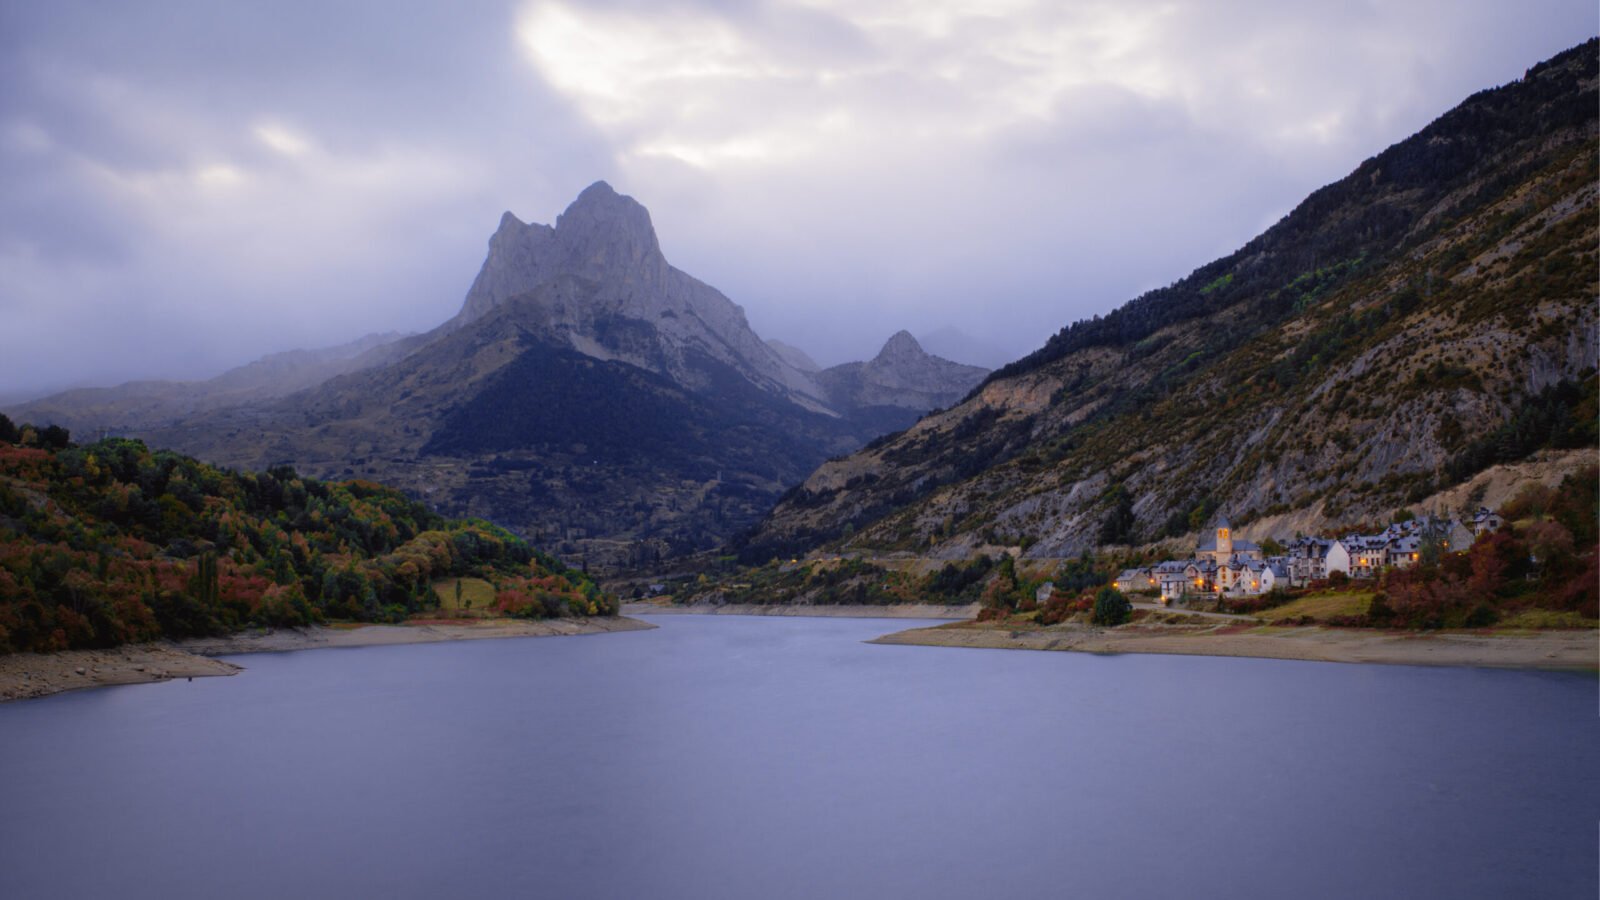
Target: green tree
x,y
204,583
55,438
1111,608
1117,528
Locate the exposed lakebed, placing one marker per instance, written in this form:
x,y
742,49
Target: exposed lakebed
x,y
777,757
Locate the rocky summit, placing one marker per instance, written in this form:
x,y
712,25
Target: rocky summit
x,y
597,281
901,375
588,395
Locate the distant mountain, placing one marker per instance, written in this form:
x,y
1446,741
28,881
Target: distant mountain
x,y
142,404
587,395
901,375
1429,316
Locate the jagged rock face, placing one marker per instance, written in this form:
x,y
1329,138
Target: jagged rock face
x,y
599,273
603,236
902,375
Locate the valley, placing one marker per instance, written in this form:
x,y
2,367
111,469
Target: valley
x,y
1415,343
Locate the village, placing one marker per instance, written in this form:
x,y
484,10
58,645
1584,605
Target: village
x,y
1225,566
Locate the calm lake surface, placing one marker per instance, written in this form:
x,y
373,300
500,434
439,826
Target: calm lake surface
x,y
780,757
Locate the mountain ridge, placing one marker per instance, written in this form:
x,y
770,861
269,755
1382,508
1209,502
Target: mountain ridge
x,y
1338,366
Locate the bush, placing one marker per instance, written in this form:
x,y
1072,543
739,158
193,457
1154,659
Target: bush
x,y
1378,608
1111,608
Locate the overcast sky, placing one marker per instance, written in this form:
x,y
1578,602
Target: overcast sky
x,y
186,185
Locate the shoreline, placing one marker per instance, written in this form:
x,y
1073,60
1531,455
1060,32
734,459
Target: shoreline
x,y
1561,650
24,676
313,637
826,611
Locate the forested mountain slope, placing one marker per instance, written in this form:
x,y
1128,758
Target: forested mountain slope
x,y
1431,314
110,542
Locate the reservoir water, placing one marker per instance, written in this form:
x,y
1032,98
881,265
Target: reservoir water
x,y
733,757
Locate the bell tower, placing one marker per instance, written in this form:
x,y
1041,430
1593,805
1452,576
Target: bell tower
x,y
1224,540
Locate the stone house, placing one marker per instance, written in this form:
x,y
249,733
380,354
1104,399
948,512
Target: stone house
x,y
1404,552
1200,576
1368,554
1141,579
1172,579
1485,522
1312,558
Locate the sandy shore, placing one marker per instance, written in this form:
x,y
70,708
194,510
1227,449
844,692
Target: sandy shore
x,y
1533,650
841,611
25,675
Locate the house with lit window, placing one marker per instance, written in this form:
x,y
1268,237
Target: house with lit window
x,y
1173,580
1227,565
1142,579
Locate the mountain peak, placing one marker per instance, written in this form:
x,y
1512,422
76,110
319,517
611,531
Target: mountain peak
x,y
602,234
602,220
600,189
901,345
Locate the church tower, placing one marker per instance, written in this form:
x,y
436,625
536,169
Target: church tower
x,y
1224,540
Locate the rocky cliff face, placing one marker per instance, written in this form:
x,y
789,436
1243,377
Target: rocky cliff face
x,y
599,279
1417,322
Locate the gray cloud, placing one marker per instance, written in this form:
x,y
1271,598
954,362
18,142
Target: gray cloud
x,y
187,185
